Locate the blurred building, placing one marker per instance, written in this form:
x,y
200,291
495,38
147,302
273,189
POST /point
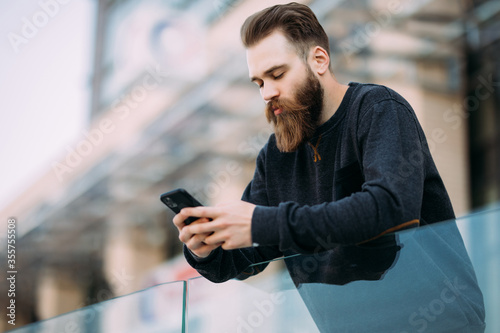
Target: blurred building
x,y
172,106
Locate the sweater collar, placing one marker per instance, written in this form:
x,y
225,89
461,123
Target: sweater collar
x,y
337,116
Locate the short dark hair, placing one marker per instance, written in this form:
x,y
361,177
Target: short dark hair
x,y
296,21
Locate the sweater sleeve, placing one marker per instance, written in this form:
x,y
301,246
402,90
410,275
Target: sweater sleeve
x,y
222,265
392,154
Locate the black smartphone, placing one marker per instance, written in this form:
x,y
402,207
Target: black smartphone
x,y
178,199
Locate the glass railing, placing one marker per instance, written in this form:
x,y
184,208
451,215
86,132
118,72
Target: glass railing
x,y
438,278
160,308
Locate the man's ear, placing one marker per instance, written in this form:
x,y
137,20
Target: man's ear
x,y
320,60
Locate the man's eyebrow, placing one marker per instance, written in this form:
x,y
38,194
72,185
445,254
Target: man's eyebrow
x,y
269,71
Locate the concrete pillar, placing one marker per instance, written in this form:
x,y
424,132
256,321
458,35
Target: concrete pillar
x,y
132,249
446,131
57,293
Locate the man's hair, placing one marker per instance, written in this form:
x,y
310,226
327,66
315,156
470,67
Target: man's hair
x,y
296,21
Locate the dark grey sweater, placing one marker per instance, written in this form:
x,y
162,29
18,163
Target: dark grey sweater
x,y
366,173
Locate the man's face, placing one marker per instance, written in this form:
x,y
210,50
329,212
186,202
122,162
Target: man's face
x,y
293,94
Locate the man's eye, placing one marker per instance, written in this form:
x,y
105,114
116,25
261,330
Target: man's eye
x,y
279,76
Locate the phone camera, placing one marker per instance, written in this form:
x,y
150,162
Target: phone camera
x,y
170,203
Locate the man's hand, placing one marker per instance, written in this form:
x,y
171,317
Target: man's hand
x,y
195,243
230,227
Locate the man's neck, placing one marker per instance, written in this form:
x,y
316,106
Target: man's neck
x,y
334,92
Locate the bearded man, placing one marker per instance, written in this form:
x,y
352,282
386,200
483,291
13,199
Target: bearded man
x,y
336,169
348,165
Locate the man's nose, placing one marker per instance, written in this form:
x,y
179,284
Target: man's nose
x,y
269,91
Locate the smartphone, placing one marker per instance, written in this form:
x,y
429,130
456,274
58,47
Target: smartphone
x,y
178,199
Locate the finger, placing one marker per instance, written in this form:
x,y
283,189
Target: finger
x,y
197,241
215,238
200,211
197,245
180,218
200,220
185,235
188,231
179,221
204,228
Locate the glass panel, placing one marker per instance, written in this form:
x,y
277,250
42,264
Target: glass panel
x,y
418,280
156,309
430,279
481,233
268,302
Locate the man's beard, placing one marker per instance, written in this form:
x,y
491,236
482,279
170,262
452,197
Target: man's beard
x,y
299,118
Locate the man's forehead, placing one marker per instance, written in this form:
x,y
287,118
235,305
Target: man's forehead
x,y
274,50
